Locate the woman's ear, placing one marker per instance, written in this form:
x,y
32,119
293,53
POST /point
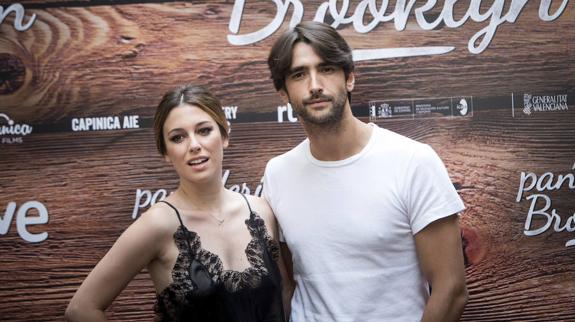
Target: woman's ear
x,y
226,141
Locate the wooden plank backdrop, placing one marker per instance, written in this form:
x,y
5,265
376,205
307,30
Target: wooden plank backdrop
x,y
107,58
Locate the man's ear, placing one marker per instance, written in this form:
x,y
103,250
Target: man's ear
x,y
284,96
350,82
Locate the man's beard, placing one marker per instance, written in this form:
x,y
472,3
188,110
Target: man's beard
x,y
331,118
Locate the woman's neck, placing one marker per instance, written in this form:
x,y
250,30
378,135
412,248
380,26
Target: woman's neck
x,y
205,197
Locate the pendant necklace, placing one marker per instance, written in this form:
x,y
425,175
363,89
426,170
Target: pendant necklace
x,y
218,220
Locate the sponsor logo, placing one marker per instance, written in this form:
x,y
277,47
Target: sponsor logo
x,y
433,107
287,111
527,104
420,108
382,110
12,132
544,103
105,123
462,107
23,220
231,113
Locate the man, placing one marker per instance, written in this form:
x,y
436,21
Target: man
x,y
370,216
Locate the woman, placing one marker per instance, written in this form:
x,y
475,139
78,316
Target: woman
x,y
210,252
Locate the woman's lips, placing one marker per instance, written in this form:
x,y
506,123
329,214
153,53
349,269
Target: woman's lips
x,y
198,163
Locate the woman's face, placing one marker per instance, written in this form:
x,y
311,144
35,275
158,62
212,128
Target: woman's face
x,y
194,144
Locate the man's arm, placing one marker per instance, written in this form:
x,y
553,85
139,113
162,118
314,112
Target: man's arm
x,y
441,260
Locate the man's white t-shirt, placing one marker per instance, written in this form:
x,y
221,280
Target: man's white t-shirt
x,y
350,226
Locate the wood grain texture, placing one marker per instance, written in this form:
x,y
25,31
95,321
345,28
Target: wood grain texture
x,y
99,60
122,58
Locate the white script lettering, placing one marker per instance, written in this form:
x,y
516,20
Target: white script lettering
x,y
548,181
145,198
14,129
548,217
400,14
20,13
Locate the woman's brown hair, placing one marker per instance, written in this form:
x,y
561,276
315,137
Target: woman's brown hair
x,y
192,95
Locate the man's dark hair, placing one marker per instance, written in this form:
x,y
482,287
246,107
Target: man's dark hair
x,y
326,42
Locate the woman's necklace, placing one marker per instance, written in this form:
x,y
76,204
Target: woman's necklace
x,y
218,220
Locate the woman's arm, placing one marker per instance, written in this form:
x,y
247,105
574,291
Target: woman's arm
x,y
138,245
286,269
284,260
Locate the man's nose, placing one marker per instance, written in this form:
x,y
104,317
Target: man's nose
x,y
315,84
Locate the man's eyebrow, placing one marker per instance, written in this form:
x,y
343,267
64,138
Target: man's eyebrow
x,y
302,68
295,70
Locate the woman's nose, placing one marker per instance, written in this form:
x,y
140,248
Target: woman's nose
x,y
194,144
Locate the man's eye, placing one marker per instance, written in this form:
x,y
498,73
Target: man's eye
x,y
328,69
177,138
297,75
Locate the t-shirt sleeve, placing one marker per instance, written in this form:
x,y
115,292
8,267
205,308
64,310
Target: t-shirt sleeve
x,y
431,194
268,196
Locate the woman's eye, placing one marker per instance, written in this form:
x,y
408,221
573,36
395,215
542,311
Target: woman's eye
x,y
177,138
205,131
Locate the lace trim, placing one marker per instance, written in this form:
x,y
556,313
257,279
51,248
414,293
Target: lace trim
x,y
177,292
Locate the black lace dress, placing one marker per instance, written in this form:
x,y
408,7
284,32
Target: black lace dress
x,y
202,291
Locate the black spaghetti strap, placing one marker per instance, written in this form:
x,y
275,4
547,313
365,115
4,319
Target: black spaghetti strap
x,y
186,232
246,199
176,210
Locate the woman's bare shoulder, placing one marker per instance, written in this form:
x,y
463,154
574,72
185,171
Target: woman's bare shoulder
x,y
161,217
262,208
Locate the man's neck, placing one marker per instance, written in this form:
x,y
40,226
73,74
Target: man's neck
x,y
338,141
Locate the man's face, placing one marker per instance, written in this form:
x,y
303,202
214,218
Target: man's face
x,y
316,90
